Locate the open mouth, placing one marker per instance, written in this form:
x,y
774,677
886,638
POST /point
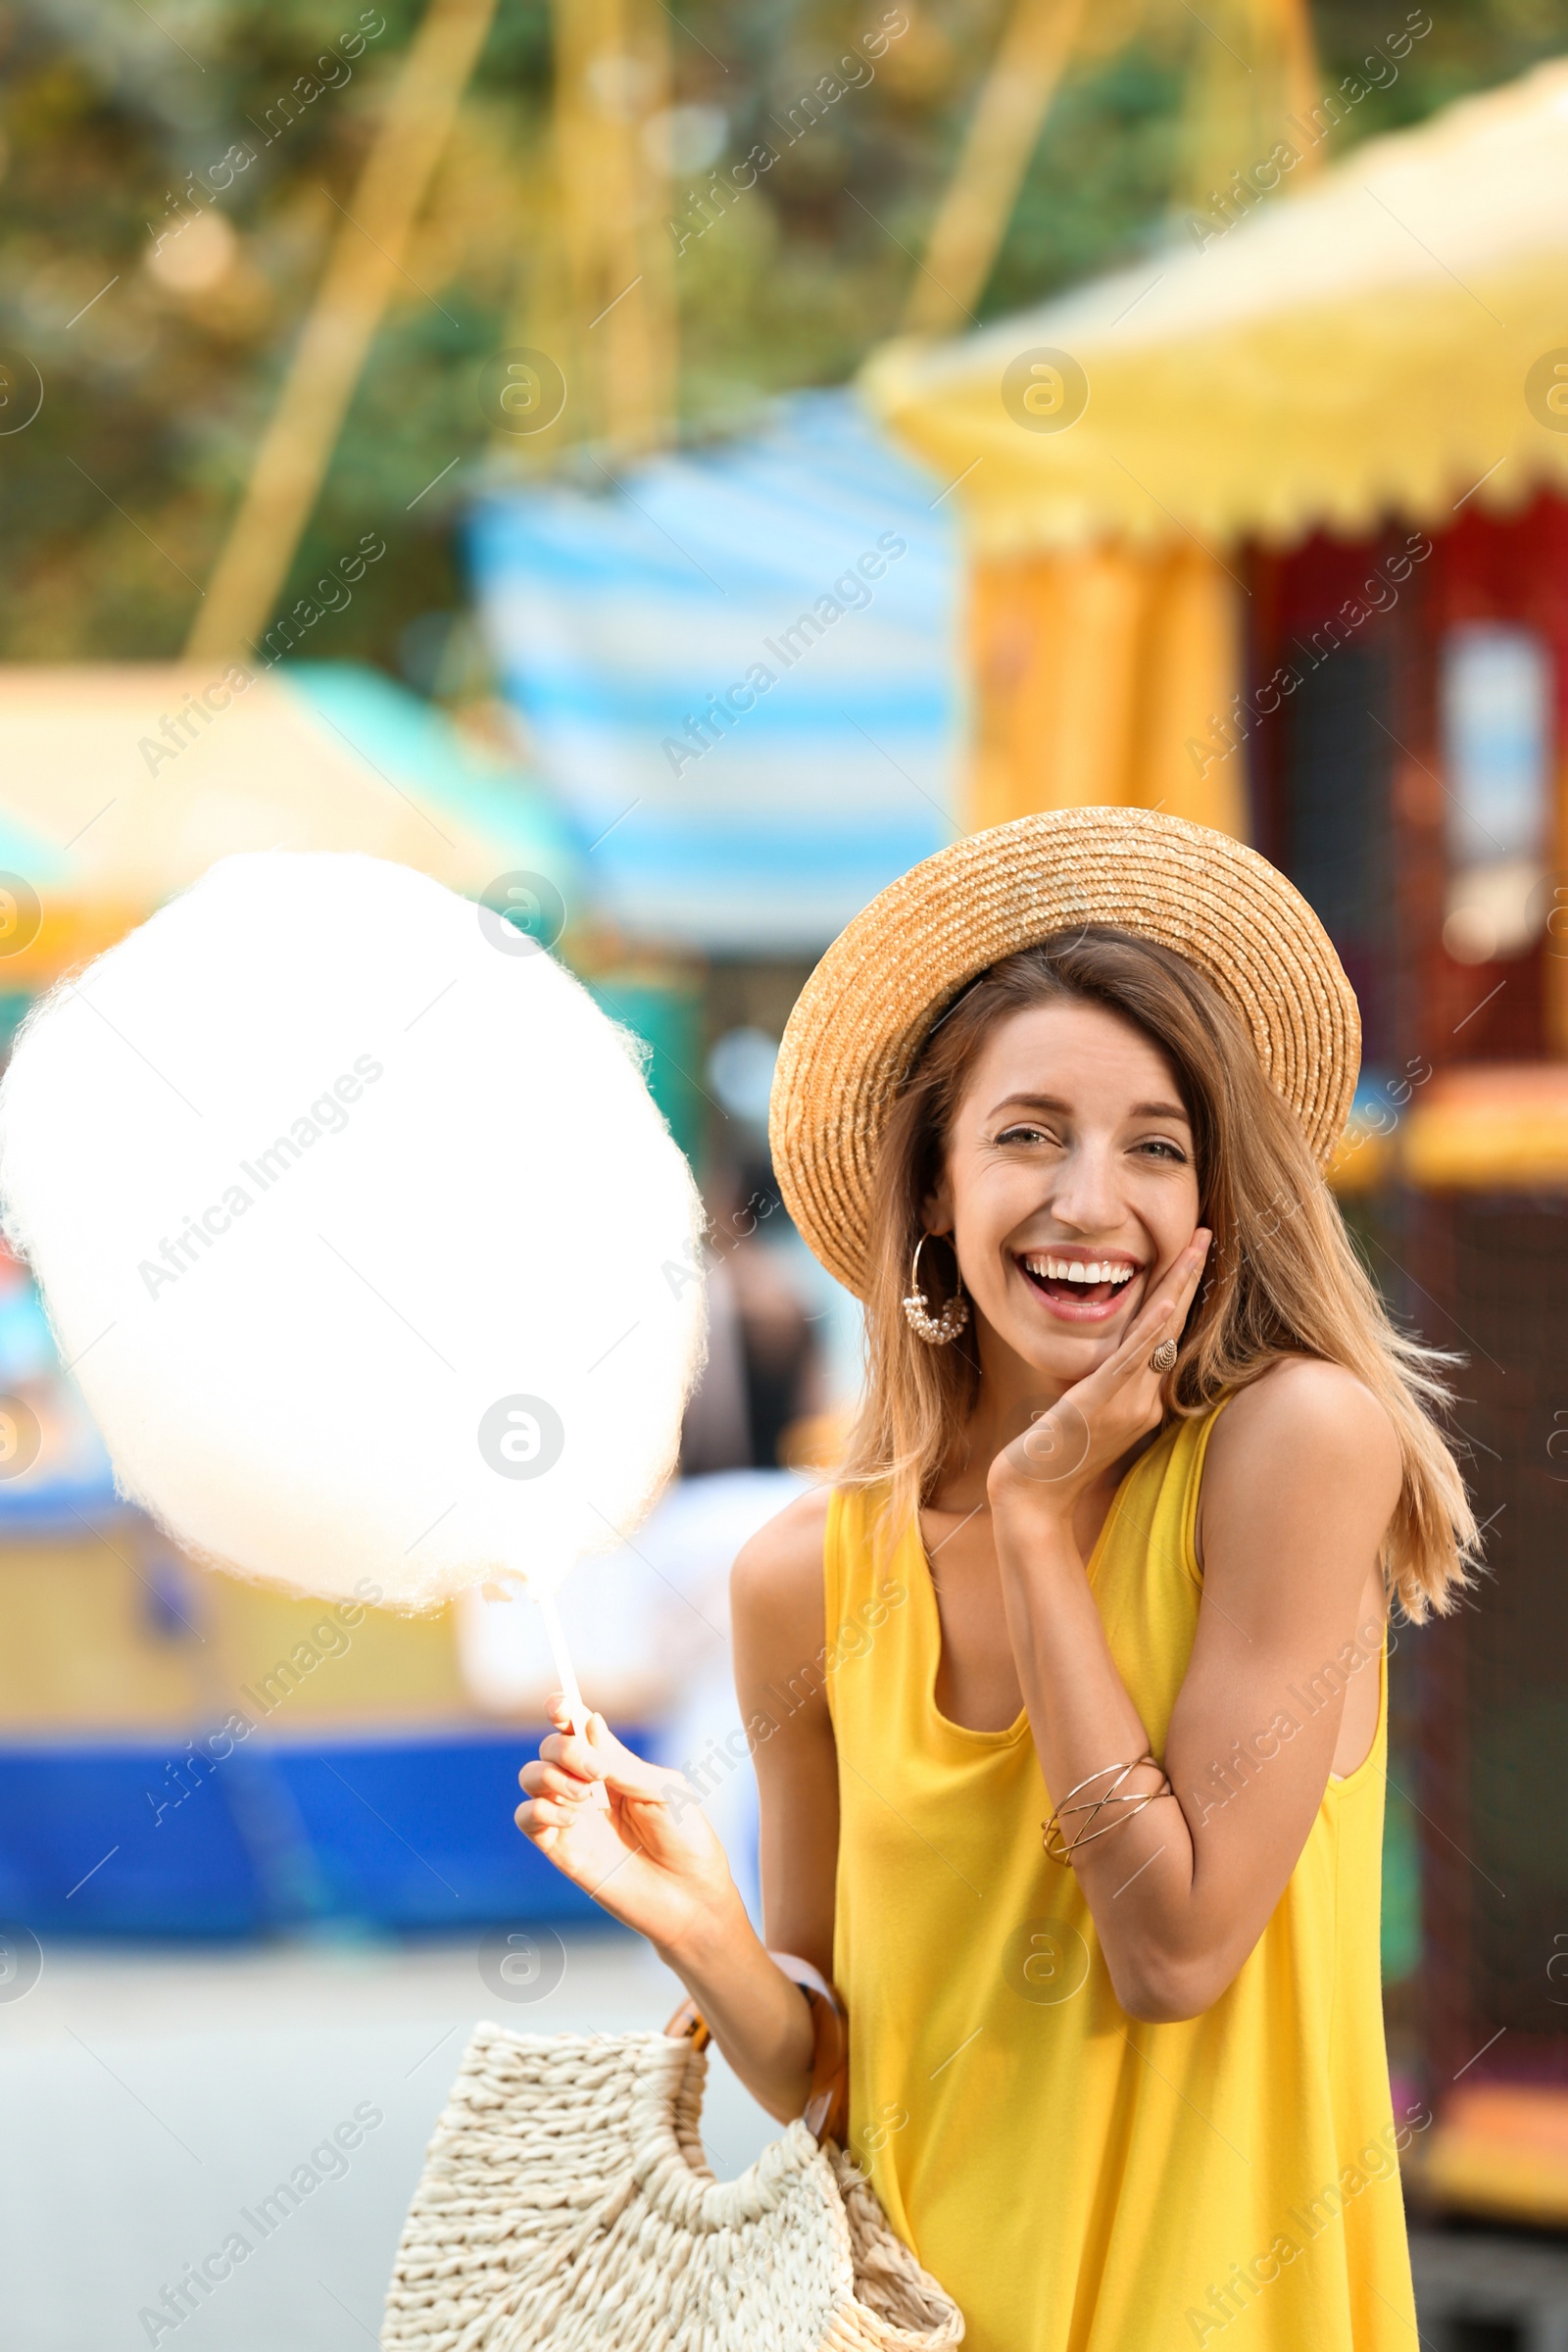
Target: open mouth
x,y
1079,1283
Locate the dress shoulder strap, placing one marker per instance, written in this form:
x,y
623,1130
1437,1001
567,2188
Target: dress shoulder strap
x,y
847,1565
1192,1446
837,1540
864,1576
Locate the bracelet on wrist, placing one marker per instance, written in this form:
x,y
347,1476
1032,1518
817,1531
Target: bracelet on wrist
x,y
1130,1801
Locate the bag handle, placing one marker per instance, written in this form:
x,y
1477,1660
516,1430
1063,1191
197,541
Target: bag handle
x,y
826,2112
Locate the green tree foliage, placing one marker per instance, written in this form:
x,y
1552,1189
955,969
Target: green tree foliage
x,y
159,367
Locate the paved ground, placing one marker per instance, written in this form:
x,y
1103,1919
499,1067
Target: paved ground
x,y
146,2098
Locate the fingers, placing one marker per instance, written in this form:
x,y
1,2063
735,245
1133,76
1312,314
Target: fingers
x,y
573,1755
1197,1255
545,1779
1166,1312
542,1822
1198,1250
622,1771
1170,1302
544,1813
601,1758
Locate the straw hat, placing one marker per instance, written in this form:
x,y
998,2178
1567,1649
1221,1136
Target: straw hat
x,y
865,1013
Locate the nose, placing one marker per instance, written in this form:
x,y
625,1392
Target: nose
x,y
1086,1195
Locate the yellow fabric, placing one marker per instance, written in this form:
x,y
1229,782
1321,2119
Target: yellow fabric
x,y
1500,2149
1080,2182
1497,1126
1094,671
1363,1159
265,768
1304,357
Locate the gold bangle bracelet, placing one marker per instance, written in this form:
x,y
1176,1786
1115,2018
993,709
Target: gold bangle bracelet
x,y
1061,1847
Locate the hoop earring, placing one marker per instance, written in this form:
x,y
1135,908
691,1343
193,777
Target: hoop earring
x,y
939,1329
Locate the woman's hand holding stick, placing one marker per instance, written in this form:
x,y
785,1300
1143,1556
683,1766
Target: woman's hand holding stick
x,y
650,1859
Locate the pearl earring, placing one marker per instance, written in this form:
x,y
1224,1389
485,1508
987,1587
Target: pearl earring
x,y
936,1330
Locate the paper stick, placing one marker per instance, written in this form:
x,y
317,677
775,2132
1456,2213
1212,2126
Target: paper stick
x,y
572,1690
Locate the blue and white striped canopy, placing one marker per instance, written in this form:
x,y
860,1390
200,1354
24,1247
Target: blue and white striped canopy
x,y
739,672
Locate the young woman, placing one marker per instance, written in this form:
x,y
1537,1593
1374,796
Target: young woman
x,y
1069,1702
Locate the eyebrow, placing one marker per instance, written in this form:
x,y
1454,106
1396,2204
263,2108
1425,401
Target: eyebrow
x,y
1139,1110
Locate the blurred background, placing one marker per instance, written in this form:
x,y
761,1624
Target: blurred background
x,y
663,470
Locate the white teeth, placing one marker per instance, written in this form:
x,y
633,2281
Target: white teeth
x,y
1080,1270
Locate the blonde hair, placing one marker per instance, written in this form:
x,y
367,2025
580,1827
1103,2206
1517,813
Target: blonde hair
x,y
1282,1276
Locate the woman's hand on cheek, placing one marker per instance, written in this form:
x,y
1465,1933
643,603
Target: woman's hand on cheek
x,y
1090,1428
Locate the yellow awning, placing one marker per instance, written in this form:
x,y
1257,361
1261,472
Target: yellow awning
x,y
120,784
1499,1127
1499,2148
1095,669
1384,341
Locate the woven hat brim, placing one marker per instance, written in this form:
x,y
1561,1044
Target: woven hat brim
x,y
862,1017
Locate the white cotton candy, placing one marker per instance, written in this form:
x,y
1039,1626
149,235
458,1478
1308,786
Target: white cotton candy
x,y
373,1257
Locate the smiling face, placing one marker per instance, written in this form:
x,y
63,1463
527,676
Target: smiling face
x,y
1070,1185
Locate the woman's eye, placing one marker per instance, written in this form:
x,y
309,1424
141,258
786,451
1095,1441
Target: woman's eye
x,y
1025,1135
1161,1149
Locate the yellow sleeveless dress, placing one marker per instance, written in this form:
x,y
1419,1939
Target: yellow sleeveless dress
x,y
1080,2182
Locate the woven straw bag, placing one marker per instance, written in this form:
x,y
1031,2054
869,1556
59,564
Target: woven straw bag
x,y
566,2201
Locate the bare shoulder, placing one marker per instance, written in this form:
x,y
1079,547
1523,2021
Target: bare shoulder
x,y
1303,1422
776,1586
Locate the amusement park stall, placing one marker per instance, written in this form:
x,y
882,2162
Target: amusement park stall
x,y
1272,530
183,1754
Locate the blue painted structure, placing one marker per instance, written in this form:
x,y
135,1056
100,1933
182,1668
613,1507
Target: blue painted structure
x,y
618,619
398,1832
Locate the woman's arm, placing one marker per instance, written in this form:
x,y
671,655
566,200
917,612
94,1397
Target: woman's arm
x,y
1301,1477
760,2020
776,1610
653,1860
